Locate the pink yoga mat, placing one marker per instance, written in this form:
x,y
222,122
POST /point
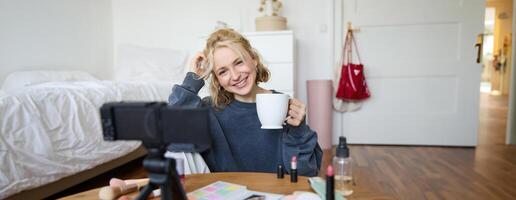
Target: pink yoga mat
x,y
320,110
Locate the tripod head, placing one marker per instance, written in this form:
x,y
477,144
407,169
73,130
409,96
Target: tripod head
x,y
162,174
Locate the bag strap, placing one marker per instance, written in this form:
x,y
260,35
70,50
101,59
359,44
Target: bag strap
x,y
348,46
356,47
347,52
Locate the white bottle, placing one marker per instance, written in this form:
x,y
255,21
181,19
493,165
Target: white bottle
x,y
343,169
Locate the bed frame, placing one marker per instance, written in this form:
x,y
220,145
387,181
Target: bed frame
x,y
49,189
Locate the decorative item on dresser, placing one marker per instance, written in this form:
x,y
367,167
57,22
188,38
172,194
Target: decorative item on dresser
x,y
270,20
277,51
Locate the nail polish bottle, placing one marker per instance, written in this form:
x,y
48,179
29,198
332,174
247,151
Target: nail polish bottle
x,y
280,171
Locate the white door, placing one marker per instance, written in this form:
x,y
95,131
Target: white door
x,y
421,69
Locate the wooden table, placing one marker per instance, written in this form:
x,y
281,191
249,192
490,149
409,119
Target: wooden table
x,y
262,182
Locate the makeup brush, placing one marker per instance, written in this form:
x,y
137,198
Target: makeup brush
x,y
113,192
118,187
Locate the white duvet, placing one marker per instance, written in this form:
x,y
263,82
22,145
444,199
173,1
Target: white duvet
x,y
52,130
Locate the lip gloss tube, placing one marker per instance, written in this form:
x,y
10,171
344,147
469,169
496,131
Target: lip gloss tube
x,y
330,184
293,170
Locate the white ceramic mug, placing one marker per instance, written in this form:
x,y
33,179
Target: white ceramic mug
x,y
272,110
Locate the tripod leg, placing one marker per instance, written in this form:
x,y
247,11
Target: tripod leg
x,y
166,193
144,193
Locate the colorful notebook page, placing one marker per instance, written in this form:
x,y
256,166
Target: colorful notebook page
x,y
219,190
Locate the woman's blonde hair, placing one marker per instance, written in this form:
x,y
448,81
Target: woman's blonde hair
x,y
240,45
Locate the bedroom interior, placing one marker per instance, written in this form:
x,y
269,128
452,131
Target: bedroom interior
x,y
60,60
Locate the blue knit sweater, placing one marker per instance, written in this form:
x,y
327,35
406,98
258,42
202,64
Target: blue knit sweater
x,y
238,142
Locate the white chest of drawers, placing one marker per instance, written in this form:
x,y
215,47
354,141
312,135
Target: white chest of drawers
x,y
277,51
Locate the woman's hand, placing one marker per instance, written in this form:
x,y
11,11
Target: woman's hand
x,y
197,64
296,112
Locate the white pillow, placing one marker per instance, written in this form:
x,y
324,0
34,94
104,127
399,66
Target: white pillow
x,y
20,79
138,63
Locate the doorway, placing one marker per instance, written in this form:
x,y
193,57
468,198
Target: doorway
x,y
496,71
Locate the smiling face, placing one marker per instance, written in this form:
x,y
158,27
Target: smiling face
x,y
235,68
235,74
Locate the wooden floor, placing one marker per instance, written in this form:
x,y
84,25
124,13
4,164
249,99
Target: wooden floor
x,y
413,172
485,172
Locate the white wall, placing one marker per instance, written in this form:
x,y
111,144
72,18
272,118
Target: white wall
x,y
55,34
308,19
179,24
170,23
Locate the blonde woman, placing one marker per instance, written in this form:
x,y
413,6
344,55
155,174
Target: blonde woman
x,y
234,70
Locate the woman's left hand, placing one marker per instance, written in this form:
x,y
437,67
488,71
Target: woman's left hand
x,y
296,112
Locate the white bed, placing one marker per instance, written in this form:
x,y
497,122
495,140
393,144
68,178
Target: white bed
x,y
52,130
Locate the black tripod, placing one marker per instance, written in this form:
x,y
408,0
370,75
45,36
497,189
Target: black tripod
x,y
162,174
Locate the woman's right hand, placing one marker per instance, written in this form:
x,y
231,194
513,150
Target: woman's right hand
x,y
197,64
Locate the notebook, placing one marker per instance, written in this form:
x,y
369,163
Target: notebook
x,y
221,190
